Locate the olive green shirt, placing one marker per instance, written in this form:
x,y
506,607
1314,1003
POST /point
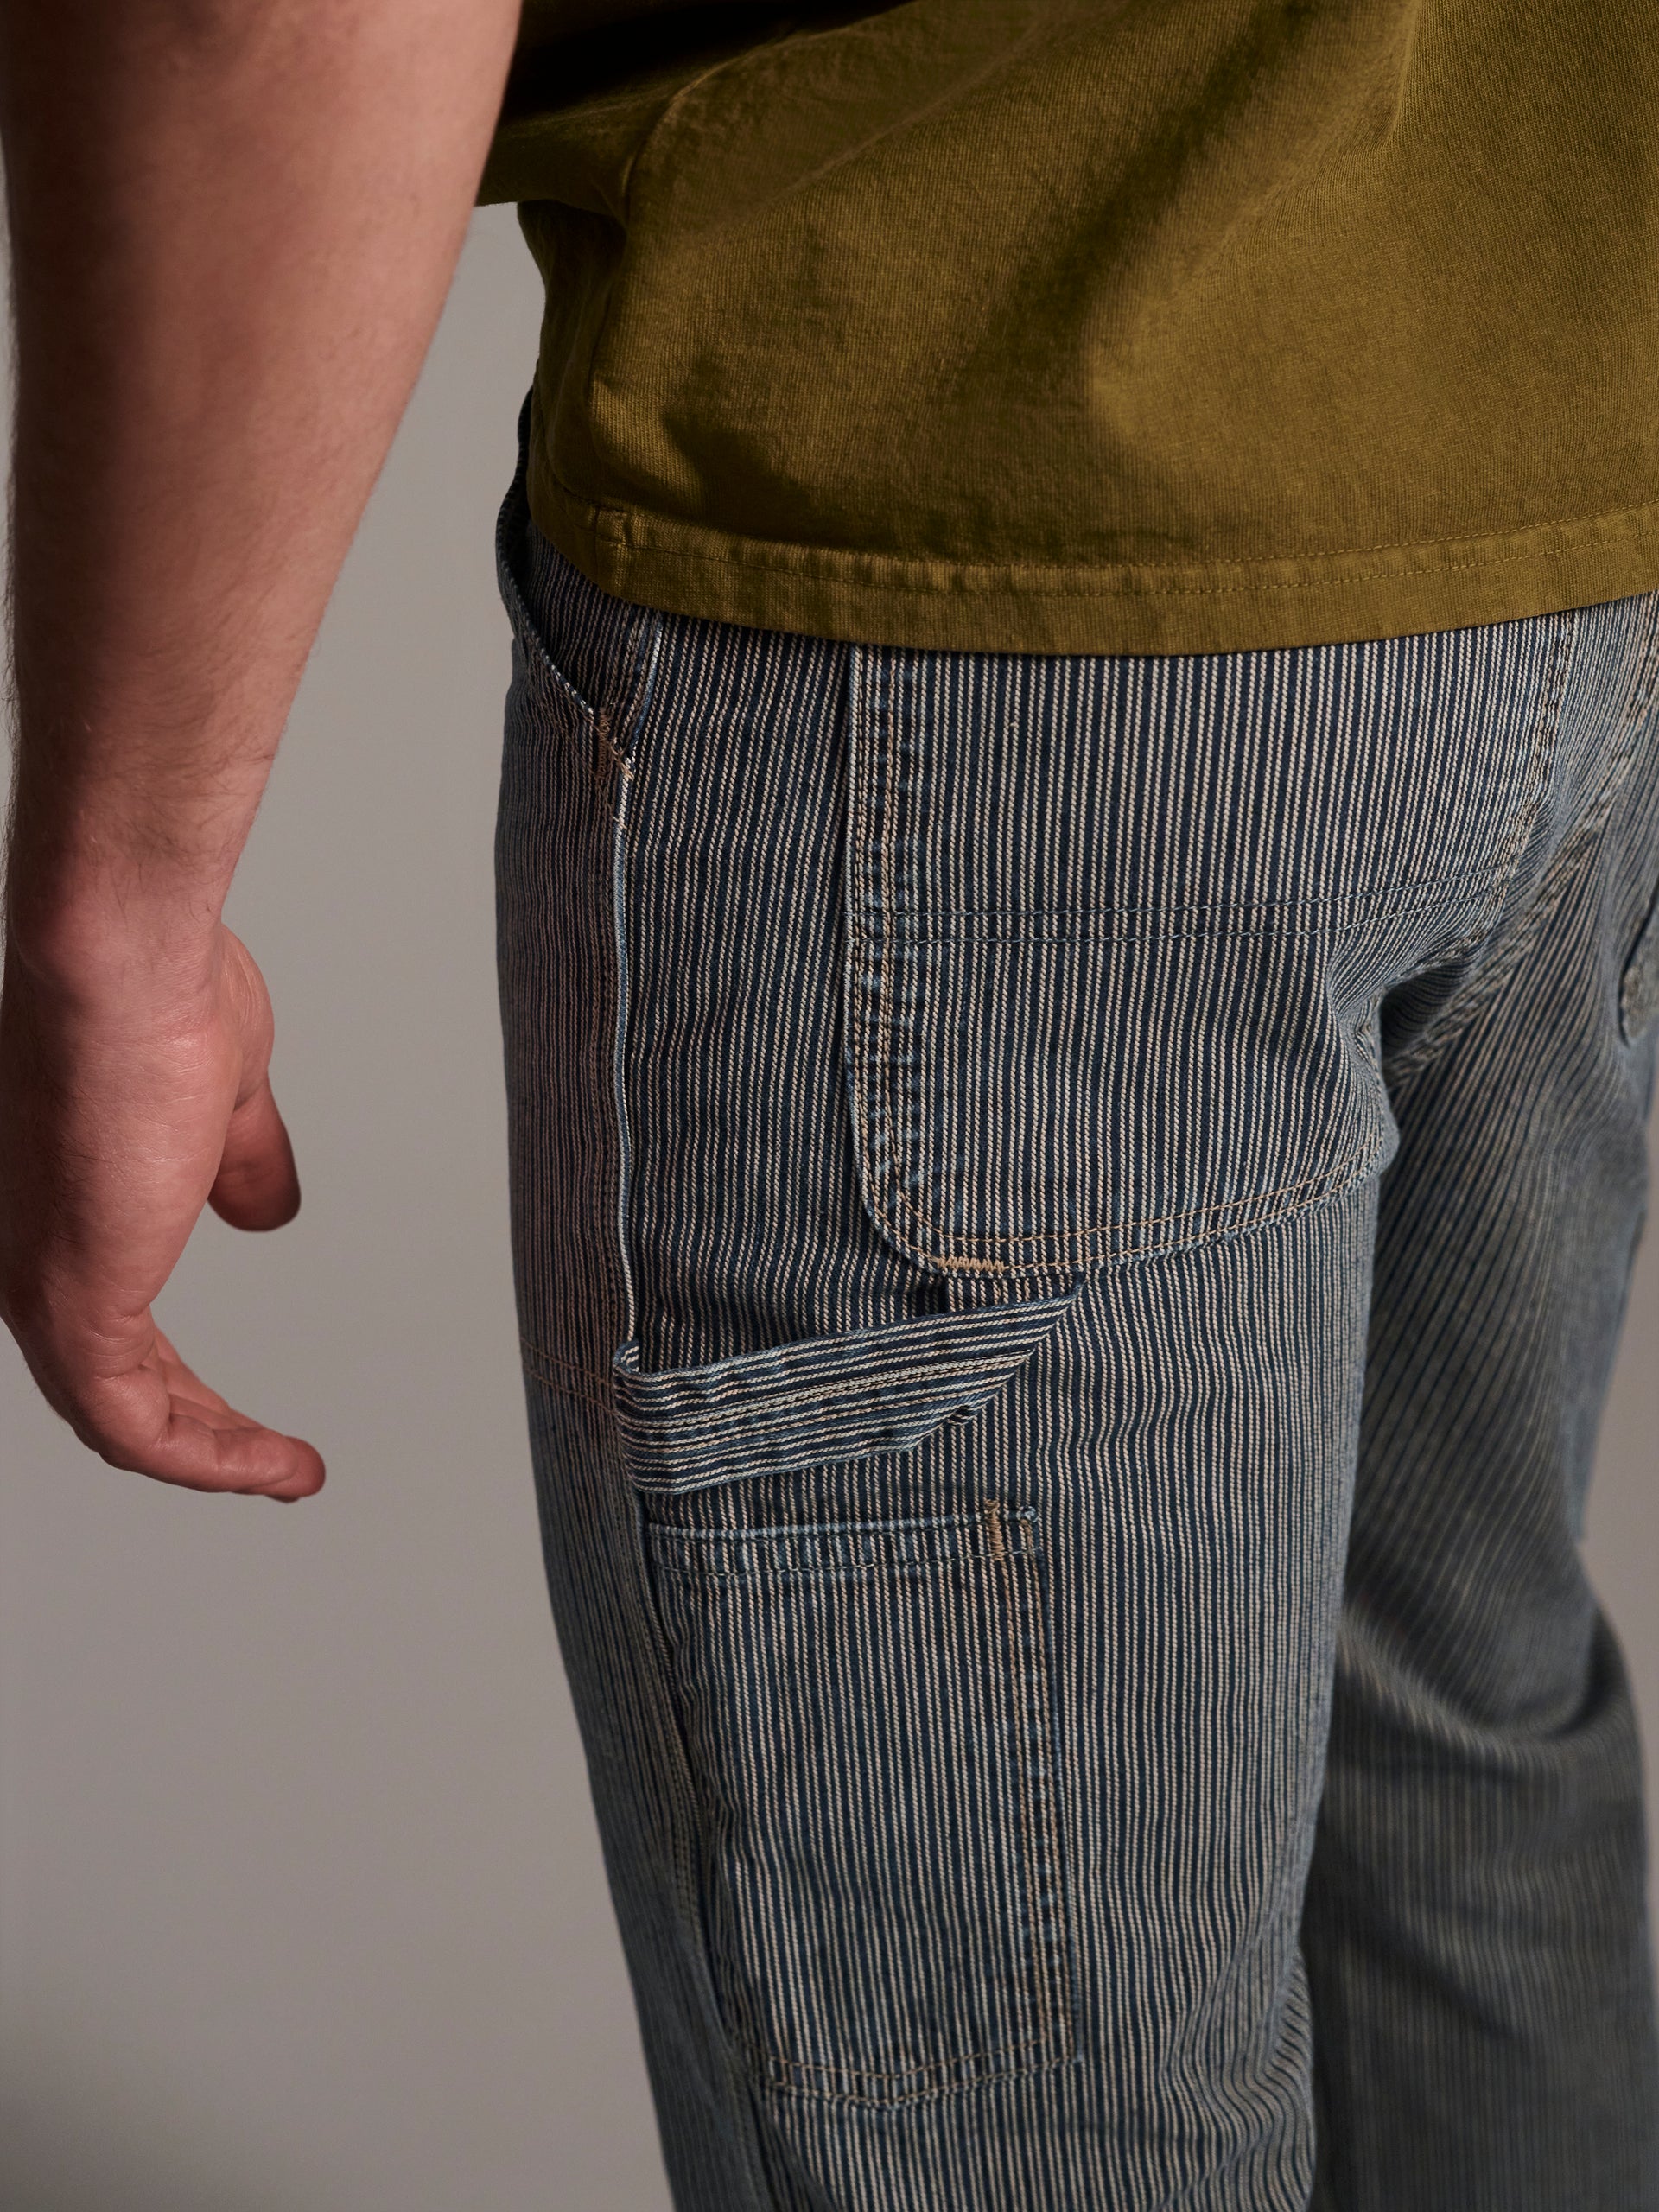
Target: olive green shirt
x,y
1144,326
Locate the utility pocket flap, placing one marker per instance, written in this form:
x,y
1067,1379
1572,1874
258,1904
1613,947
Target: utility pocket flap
x,y
824,1400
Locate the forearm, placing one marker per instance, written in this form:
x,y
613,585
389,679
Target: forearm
x,y
233,224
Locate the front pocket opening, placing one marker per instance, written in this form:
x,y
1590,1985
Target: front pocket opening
x,y
620,642
866,1709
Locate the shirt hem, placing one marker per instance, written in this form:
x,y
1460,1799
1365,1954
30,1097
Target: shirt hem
x,y
1107,607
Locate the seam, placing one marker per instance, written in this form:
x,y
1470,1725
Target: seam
x,y
1002,1566
1330,925
1212,906
898,2073
968,2080
677,100
595,839
1352,1163
618,759
667,1537
1559,879
566,701
723,1532
682,1815
800,1393
1565,873
1545,738
909,1570
1638,977
577,1382
966,2058
1423,1053
632,528
891,726
1052,1955
591,374
615,729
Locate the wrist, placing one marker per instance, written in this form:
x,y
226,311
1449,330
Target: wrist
x,y
102,942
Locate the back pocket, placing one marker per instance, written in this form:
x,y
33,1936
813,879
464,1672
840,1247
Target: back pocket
x,y
1118,926
865,1707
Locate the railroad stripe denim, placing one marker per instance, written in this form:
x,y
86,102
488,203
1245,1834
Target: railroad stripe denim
x,y
1071,1219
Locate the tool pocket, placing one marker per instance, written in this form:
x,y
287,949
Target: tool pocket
x,y
864,1700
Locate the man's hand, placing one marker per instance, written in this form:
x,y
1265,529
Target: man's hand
x,y
126,1103
232,225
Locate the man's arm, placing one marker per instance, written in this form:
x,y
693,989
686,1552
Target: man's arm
x,y
234,223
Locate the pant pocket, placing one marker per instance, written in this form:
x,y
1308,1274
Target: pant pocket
x,y
1115,924
865,1710
584,659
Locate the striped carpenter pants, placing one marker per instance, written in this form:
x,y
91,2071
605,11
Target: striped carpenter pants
x,y
1072,1218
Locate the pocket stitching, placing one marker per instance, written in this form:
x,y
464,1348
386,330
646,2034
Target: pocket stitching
x,y
1332,927
1332,1180
575,1382
687,1569
1058,2033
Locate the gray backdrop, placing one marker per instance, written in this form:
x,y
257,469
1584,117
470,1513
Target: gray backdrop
x,y
301,1904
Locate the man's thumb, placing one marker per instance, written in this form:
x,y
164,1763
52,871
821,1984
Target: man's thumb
x,y
258,1186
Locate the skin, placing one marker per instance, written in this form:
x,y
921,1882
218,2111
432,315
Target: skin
x,y
233,224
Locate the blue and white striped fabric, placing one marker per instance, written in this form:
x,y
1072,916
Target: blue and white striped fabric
x,y
1072,1218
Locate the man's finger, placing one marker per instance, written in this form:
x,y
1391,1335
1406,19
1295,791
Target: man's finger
x,y
158,1418
258,1186
136,1421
